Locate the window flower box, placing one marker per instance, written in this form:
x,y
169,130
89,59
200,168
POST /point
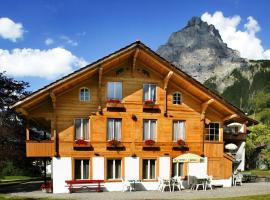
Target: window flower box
x,y
114,101
46,187
181,142
81,143
149,102
180,145
149,142
113,143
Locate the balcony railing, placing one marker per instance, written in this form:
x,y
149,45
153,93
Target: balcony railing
x,y
43,148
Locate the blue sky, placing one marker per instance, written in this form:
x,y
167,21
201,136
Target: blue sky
x,y
90,30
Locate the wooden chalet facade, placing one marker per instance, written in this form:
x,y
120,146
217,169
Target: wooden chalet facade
x,y
128,115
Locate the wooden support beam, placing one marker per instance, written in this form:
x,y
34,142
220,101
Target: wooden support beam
x,y
204,107
27,130
230,117
23,112
166,79
100,72
134,60
53,98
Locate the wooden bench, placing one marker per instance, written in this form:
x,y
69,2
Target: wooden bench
x,y
82,184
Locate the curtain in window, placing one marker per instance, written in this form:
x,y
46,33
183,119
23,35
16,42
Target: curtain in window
x,y
146,129
145,169
77,169
110,91
117,169
118,90
114,90
146,92
178,130
117,129
77,129
110,127
85,169
153,129
152,169
85,129
153,92
110,169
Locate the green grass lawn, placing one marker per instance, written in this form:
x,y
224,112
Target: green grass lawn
x,y
259,172
10,178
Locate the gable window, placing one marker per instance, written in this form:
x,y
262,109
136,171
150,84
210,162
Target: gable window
x,y
149,169
177,169
114,169
149,92
212,132
178,130
114,90
81,129
177,98
81,169
149,129
114,129
84,94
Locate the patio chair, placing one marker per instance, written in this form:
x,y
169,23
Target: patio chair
x,y
238,179
177,182
197,184
126,185
164,183
209,183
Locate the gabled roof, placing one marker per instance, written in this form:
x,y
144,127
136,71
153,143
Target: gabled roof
x,y
95,65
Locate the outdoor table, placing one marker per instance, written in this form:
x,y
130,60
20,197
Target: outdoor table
x,y
203,180
134,181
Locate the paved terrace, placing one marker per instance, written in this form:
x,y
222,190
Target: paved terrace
x,y
244,190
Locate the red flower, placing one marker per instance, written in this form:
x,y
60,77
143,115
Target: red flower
x,y
181,142
113,101
48,185
149,142
82,142
149,102
113,142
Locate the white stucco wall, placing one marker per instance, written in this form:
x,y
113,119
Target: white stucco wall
x,y
62,171
198,169
223,182
98,168
164,167
132,168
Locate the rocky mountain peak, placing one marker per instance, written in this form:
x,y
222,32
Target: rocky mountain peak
x,y
199,50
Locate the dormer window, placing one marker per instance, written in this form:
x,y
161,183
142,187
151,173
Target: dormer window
x,y
84,94
177,98
149,92
114,91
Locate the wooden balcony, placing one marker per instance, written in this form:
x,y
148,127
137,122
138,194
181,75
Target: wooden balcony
x,y
235,137
43,148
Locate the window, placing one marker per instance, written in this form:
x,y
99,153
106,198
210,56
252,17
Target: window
x,y
149,129
81,129
84,94
114,90
113,169
177,98
212,131
178,130
149,92
177,169
149,169
114,129
81,169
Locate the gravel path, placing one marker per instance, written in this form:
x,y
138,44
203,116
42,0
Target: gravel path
x,y
244,190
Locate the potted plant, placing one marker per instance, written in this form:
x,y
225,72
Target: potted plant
x,y
149,102
46,187
113,143
81,142
114,101
181,143
149,142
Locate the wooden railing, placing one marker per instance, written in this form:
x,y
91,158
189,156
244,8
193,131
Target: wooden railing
x,y
43,148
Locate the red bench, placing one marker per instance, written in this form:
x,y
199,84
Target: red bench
x,y
89,184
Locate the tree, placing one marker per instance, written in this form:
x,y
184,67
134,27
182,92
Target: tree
x,y
12,137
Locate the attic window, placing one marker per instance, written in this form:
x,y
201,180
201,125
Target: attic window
x,y
84,94
177,98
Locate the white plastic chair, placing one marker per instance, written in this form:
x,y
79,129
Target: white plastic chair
x,y
164,183
126,185
238,179
209,183
177,182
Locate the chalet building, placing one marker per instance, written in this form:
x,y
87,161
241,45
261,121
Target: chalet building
x,y
128,115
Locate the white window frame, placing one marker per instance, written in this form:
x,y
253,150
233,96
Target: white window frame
x,y
149,130
114,90
177,170
149,168
114,178
114,119
81,134
209,132
180,98
84,96
149,92
81,170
